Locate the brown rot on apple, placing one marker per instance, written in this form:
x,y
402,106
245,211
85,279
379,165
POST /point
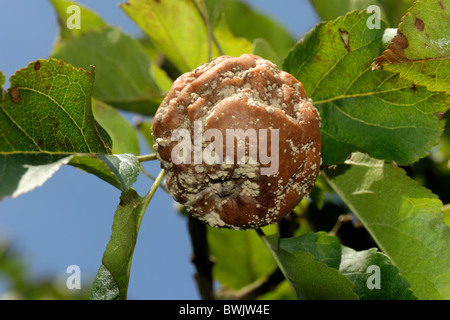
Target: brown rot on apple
x,y
240,142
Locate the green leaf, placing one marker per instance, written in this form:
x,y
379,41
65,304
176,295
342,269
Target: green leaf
x,y
144,128
332,9
162,79
229,44
123,69
120,170
2,80
404,218
394,10
420,51
391,11
119,251
114,273
361,109
104,287
176,28
122,133
363,268
240,257
355,265
446,211
214,9
264,50
45,117
282,292
246,22
89,20
48,110
21,173
324,248
309,278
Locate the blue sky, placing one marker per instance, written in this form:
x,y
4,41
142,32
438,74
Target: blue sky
x,y
68,220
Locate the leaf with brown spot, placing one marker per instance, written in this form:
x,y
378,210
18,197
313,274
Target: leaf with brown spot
x,y
15,95
420,52
373,111
396,50
57,93
420,25
45,119
345,37
37,65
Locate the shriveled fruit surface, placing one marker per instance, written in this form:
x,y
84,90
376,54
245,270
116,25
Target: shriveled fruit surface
x,y
240,141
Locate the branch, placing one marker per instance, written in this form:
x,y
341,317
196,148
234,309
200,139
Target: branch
x,y
256,289
147,157
211,35
288,225
201,259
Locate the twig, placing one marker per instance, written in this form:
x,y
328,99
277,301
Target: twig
x,y
209,30
201,259
256,289
208,26
288,225
147,157
148,197
151,177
